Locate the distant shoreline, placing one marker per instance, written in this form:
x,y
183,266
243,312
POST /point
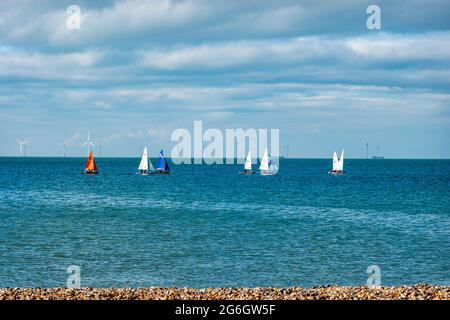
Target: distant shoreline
x,y
240,159
413,292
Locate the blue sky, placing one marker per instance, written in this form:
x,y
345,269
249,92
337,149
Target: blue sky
x,y
136,70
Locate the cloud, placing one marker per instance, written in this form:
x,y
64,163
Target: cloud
x,y
73,139
153,23
75,65
158,133
123,135
231,54
303,50
103,105
135,65
112,22
219,115
411,60
390,47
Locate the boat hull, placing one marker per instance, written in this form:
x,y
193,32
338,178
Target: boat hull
x,y
268,172
336,172
90,172
144,173
161,172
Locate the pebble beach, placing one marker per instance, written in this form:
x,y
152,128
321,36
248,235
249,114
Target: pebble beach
x,y
415,292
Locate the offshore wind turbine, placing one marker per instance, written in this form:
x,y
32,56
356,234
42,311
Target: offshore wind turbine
x,y
89,143
22,146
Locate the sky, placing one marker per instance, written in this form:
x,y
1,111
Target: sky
x,y
137,70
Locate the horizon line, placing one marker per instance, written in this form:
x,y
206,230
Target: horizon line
x,y
167,157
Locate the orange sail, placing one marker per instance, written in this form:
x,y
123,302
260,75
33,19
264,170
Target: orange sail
x,y
90,164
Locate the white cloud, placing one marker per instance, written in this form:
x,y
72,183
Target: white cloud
x,y
73,139
77,65
238,53
135,65
429,46
303,50
219,115
158,20
123,135
312,58
119,21
158,133
145,24
103,105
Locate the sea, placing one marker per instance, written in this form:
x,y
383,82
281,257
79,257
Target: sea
x,y
208,226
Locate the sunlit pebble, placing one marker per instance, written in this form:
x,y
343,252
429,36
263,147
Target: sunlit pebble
x,y
324,292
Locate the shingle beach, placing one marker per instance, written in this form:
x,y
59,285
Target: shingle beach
x,y
415,292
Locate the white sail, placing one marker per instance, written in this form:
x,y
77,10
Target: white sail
x,y
341,162
335,162
264,166
248,162
152,168
144,160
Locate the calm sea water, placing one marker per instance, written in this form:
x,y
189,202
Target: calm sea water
x,y
208,226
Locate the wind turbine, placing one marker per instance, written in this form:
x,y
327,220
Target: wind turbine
x,y
22,146
89,143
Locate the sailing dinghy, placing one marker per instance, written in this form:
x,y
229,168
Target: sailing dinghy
x,y
163,165
91,166
338,164
248,165
273,167
268,167
146,166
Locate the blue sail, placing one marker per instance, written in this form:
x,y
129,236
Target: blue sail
x,y
167,168
161,161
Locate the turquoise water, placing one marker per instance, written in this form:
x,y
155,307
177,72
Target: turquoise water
x,y
208,226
